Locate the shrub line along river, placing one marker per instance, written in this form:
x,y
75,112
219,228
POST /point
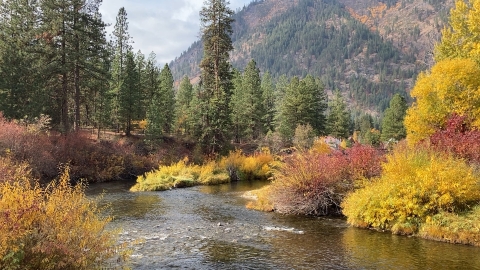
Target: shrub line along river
x,y
208,227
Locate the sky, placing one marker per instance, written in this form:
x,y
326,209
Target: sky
x,y
166,27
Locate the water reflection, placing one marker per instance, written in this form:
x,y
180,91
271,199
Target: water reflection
x,y
368,249
122,204
236,187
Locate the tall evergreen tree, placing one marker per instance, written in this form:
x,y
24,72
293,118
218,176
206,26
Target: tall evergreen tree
x,y
304,103
161,111
339,117
152,75
21,87
314,104
167,93
141,64
216,20
73,39
268,102
121,46
392,123
252,110
128,95
236,105
183,99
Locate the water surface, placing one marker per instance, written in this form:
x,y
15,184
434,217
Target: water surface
x,y
210,228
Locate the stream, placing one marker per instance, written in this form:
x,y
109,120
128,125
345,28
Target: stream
x,y
208,227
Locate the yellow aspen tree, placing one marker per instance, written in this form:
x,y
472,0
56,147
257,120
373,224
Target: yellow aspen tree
x,y
462,38
452,86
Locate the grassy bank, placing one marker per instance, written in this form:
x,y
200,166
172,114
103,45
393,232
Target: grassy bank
x,y
234,167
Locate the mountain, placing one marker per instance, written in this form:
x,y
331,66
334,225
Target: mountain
x,y
368,49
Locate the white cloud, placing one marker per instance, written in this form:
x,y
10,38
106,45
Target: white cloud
x,y
165,27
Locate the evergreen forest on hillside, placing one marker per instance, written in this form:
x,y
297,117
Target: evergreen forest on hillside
x,y
323,39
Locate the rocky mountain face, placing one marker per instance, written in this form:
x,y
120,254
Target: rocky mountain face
x,y
368,49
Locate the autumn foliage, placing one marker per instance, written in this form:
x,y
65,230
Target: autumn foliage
x,y
313,183
458,138
234,167
415,186
55,227
451,87
88,159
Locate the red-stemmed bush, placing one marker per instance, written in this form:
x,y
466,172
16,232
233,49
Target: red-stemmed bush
x,y
458,138
315,184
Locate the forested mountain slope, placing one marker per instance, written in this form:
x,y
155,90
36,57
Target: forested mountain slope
x,y
368,49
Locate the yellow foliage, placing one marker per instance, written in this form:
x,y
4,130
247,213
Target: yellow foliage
x,y
142,124
241,167
452,86
13,172
416,184
211,174
52,228
261,201
320,147
462,38
181,175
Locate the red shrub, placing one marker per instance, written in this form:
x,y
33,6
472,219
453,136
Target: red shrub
x,y
88,159
315,184
458,138
364,161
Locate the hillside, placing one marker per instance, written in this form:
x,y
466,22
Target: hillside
x,y
368,49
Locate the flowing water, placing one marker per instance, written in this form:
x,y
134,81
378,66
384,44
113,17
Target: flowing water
x,y
210,228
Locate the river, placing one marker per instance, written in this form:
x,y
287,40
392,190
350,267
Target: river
x,y
210,228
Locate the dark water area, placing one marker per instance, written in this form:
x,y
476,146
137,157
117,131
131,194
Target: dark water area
x,y
210,228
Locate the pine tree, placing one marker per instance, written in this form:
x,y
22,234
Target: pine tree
x,y
315,100
152,74
167,93
252,109
72,40
21,88
128,94
161,111
287,118
121,46
268,103
236,105
392,123
183,99
338,118
304,103
216,85
141,64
